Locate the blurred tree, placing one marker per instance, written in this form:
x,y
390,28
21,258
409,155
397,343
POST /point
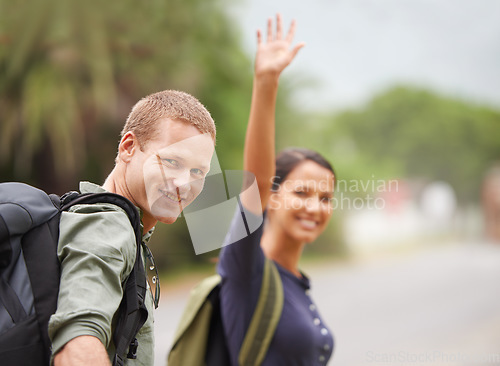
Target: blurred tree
x,y
407,132
70,72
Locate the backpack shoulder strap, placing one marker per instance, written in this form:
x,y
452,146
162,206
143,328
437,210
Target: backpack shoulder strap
x,y
132,313
265,318
191,336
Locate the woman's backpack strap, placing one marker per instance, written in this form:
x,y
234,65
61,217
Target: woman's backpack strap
x,y
265,318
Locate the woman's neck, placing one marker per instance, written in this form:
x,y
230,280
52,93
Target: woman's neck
x,y
282,250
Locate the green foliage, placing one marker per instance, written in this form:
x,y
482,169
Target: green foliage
x,y
414,133
70,72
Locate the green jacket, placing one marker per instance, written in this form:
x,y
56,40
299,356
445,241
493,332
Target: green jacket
x,y
97,252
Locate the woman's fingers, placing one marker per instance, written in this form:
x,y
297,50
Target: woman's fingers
x,y
291,32
269,30
279,32
276,41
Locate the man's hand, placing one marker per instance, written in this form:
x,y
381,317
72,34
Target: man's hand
x,y
82,351
275,53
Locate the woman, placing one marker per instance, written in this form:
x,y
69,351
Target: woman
x,y
296,191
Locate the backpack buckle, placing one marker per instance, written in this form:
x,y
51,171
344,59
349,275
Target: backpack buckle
x,y
132,349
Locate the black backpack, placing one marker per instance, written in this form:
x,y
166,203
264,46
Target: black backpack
x,y
30,273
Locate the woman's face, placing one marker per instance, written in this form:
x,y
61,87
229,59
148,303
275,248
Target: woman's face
x,y
302,206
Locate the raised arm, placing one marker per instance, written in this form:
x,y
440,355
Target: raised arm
x,y
274,54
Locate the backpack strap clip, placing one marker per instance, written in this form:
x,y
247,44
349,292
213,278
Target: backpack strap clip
x,y
132,349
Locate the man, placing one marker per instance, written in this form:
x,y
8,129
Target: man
x,y
163,156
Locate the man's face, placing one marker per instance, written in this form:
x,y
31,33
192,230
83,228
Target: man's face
x,y
169,173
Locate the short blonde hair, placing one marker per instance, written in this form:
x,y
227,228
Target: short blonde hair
x,y
172,104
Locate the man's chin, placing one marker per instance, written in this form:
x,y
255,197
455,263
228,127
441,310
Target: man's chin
x,y
167,220
166,213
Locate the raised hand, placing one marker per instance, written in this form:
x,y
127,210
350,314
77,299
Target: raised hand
x,y
276,53
273,56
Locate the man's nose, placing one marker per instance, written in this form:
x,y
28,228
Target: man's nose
x,y
182,180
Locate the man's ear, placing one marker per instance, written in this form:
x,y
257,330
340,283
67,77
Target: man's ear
x,y
128,146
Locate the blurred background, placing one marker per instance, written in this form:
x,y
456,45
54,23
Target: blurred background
x,y
402,96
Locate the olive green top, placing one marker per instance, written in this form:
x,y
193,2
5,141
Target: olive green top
x,y
97,250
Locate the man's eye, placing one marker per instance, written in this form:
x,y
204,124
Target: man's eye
x,y
300,193
198,172
171,162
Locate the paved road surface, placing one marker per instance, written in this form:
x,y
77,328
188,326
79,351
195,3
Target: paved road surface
x,y
438,306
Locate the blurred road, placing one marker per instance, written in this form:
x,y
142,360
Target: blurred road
x,y
437,306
